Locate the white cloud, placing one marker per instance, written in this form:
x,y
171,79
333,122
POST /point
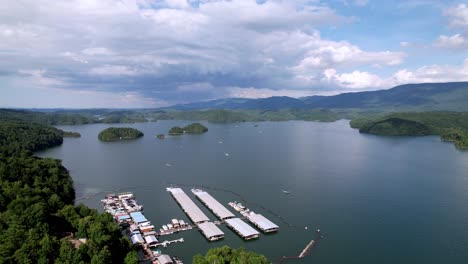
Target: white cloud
x,y
458,16
457,19
432,73
113,70
322,54
452,42
354,80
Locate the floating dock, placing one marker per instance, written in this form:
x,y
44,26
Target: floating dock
x,y
216,207
211,231
258,220
262,222
243,229
189,207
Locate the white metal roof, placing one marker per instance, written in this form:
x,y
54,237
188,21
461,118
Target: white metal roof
x,y
151,239
164,259
261,221
215,206
137,238
242,227
189,207
209,229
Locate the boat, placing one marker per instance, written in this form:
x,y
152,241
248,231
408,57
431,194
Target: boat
x,y
226,154
285,192
168,165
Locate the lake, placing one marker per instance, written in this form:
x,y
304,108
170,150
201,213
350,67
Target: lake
x,y
376,199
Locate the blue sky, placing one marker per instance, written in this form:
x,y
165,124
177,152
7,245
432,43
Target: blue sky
x,y
152,53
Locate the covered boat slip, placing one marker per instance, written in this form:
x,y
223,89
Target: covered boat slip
x,y
243,229
211,231
216,207
189,207
262,222
138,217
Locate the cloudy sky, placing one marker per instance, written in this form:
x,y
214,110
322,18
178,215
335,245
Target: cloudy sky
x,y
152,53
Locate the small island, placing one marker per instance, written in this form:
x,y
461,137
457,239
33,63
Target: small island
x,y
119,133
194,128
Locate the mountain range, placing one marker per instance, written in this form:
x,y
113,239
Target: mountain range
x,y
451,96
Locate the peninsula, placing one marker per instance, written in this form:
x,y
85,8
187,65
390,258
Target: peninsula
x,y
119,133
451,126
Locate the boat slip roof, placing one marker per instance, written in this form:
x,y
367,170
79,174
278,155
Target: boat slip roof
x,y
151,239
240,226
209,229
123,217
215,206
262,222
189,207
137,238
138,217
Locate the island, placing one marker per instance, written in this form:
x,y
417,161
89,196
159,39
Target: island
x,y
119,133
194,128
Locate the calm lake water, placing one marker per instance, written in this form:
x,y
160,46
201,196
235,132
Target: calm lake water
x,y
376,199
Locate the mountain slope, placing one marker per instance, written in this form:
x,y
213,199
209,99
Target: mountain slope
x,y
426,96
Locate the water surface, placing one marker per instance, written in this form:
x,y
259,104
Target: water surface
x,y
377,199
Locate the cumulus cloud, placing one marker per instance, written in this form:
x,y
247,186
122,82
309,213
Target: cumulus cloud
x,y
458,16
178,50
432,73
452,42
457,19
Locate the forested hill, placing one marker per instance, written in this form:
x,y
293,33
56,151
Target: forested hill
x,y
421,97
38,221
73,117
451,126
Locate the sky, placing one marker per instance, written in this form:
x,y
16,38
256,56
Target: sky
x,y
156,53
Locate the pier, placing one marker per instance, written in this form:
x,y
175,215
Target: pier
x,y
216,207
166,243
207,228
258,220
189,207
305,252
242,228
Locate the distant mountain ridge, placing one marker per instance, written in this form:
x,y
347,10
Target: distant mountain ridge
x,y
424,96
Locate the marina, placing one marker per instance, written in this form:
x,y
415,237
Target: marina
x,y
129,215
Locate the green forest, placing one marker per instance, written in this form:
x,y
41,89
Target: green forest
x,y
38,221
119,133
227,255
451,126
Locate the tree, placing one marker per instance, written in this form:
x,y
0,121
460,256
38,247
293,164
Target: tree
x,y
131,258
